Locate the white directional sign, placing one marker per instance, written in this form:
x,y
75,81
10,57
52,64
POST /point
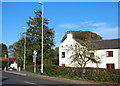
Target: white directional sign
x,y
35,52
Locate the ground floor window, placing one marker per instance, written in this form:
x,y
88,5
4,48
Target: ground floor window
x,y
63,65
110,66
91,54
63,54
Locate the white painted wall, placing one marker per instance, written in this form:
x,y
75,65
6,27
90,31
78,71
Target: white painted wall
x,y
13,65
100,53
69,41
105,60
119,59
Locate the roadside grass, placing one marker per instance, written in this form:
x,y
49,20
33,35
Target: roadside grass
x,y
60,76
74,78
68,77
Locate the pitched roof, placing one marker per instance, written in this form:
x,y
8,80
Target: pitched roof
x,y
81,35
102,44
6,59
108,44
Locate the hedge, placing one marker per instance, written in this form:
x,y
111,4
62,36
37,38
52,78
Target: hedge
x,y
3,64
96,74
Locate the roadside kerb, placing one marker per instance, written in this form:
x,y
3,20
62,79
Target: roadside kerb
x,y
69,81
16,73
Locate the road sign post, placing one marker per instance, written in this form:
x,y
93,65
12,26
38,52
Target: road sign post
x,y
34,59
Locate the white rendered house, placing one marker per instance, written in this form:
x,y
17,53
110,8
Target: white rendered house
x,y
14,65
109,53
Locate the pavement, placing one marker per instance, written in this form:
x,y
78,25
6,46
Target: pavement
x,y
70,81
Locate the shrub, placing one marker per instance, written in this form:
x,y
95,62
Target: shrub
x,y
96,74
48,62
3,64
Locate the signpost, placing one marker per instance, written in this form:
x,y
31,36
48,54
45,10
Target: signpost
x,y
34,59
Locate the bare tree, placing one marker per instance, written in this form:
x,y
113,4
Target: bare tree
x,y
83,52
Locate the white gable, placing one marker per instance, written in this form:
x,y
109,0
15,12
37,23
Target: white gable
x,y
68,41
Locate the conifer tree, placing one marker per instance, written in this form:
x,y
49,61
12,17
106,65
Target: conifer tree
x,y
34,39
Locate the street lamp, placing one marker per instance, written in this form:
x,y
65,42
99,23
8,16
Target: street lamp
x,y
42,39
24,48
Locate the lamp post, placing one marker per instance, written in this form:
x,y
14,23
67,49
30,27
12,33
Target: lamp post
x,y
42,39
24,48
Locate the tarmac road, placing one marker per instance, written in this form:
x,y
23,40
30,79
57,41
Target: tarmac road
x,y
14,79
10,79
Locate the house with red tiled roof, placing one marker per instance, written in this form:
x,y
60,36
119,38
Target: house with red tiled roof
x,y
4,60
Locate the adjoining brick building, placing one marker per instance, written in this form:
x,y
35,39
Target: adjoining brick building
x,y
4,61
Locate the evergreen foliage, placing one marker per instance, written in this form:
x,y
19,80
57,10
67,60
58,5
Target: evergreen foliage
x,y
3,50
34,40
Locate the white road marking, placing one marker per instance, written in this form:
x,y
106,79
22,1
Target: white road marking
x,y
29,82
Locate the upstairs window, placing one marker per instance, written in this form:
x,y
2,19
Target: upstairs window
x,y
109,53
63,54
91,54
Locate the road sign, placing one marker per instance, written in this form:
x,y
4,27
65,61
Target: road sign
x,y
35,52
34,59
34,56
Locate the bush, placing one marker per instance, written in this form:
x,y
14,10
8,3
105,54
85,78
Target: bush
x,y
48,62
29,68
20,62
103,75
3,64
